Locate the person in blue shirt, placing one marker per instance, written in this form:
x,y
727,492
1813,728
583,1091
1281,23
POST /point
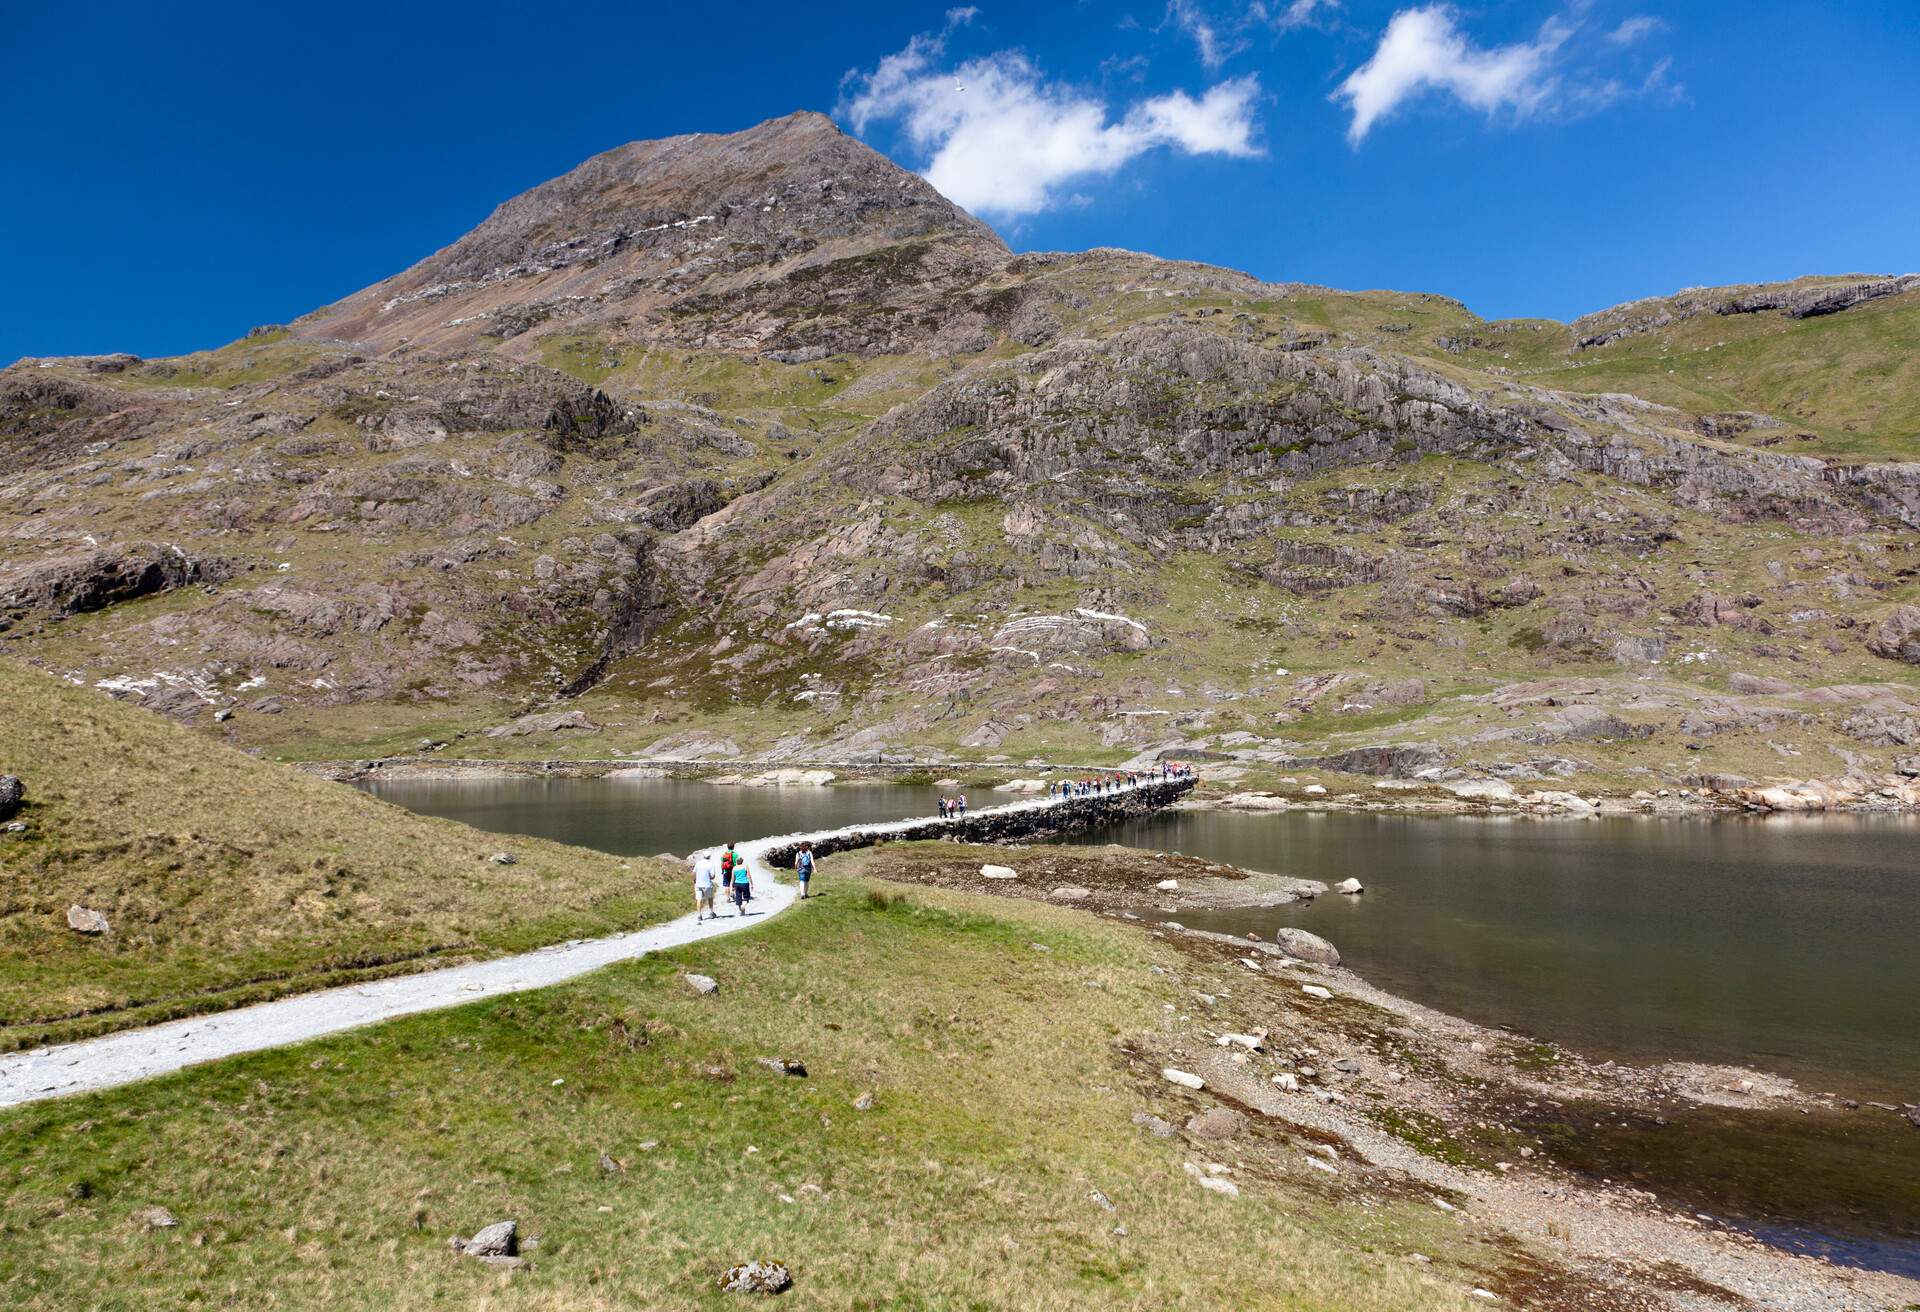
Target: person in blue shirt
x,y
803,866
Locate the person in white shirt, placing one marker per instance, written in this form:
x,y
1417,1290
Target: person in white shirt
x,y
704,886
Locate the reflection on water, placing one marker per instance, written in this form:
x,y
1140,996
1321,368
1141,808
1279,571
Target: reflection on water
x,y
1792,944
1788,944
640,817
1785,943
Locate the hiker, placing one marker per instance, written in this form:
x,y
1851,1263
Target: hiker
x,y
742,882
803,866
962,801
944,808
703,888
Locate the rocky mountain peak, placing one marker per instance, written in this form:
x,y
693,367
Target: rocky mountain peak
x,y
656,219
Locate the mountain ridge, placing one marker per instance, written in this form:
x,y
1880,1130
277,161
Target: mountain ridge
x,y
836,468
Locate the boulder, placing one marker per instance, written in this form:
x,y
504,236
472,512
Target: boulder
x,y
545,722
756,1277
785,1066
1488,790
702,983
501,1239
1211,1183
1316,991
1300,944
998,872
1071,893
1798,795
83,920
504,859
1185,1079
1351,887
12,794
1154,1125
1898,636
864,1103
1168,885
154,1218
1757,685
1217,1123
791,777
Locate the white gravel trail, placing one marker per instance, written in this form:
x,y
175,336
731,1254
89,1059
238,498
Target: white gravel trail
x,y
117,1059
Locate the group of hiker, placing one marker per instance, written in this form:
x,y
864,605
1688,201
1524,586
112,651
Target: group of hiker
x,y
1100,785
721,874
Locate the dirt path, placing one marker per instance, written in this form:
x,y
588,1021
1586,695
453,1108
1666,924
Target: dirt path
x,y
117,1059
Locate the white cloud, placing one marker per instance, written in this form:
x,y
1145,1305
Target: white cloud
x,y
1001,140
1284,17
1212,49
1423,50
1217,40
1633,29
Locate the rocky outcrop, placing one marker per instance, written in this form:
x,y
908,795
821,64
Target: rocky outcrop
x,y
70,583
1804,299
1396,760
545,722
1897,638
1114,422
1809,302
653,223
12,794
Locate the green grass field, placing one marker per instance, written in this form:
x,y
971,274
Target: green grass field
x,y
227,880
1005,1079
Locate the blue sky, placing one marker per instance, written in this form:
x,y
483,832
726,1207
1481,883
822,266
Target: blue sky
x,y
171,176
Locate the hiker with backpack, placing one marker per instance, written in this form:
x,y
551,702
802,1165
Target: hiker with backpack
x,y
742,884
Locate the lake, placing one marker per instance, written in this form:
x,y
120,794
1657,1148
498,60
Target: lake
x,y
1791,944
1787,943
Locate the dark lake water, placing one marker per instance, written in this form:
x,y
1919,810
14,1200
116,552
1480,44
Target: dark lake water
x,y
1786,944
640,817
1790,944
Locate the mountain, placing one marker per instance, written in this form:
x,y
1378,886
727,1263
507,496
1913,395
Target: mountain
x,y
755,445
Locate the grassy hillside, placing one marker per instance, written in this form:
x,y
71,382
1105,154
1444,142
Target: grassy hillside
x,y
1842,385
227,879
1005,1082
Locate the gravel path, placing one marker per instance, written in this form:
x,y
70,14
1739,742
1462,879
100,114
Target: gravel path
x,y
117,1059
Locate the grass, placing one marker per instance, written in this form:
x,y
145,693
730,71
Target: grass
x,y
331,1174
227,879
